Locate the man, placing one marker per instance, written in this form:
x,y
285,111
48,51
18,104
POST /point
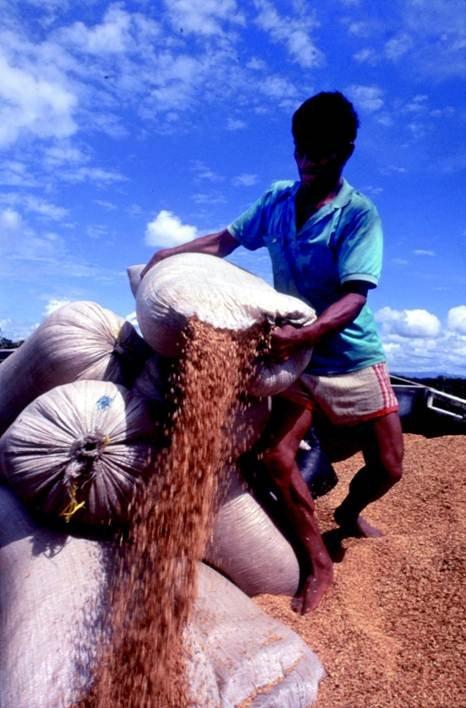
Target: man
x,y
325,242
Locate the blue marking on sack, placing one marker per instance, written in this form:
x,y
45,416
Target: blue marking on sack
x,y
104,402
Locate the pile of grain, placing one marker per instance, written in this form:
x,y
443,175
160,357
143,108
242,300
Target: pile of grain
x,y
154,587
391,632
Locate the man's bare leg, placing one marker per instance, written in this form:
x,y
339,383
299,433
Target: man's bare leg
x,y
383,454
287,426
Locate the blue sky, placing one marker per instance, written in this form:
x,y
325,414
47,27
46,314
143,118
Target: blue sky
x,y
132,125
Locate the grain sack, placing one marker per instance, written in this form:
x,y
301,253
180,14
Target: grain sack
x,y
80,451
80,340
152,381
249,417
248,420
258,662
222,295
247,547
51,607
50,586
52,602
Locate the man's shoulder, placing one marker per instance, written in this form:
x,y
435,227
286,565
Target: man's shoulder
x,y
279,190
359,205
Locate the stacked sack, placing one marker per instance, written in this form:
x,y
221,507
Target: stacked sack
x,y
246,546
80,340
76,442
50,622
82,398
224,296
82,403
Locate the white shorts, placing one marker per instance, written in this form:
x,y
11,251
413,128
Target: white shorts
x,y
346,399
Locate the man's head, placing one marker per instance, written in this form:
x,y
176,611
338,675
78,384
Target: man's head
x,y
324,130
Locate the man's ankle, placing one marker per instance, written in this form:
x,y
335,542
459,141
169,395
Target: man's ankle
x,y
344,515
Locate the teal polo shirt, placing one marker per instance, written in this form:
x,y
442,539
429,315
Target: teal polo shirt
x,y
340,242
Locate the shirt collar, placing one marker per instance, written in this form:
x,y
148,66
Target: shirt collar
x,y
338,202
343,196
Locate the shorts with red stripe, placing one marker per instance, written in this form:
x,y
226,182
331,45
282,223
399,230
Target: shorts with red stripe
x,y
346,399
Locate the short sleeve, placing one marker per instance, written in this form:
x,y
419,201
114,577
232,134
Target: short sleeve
x,y
249,228
360,247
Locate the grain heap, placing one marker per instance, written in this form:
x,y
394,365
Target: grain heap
x,y
391,630
154,586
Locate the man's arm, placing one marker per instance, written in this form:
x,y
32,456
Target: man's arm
x,y
288,339
220,243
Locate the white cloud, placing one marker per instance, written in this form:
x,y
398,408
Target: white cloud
x,y
277,87
292,32
408,323
112,36
423,252
92,174
439,31
359,29
16,174
368,98
108,206
418,104
366,56
132,318
34,205
456,319
33,104
204,173
63,154
396,47
208,198
10,221
235,124
166,229
245,180
204,17
416,341
53,304
392,170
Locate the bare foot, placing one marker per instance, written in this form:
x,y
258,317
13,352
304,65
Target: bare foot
x,y
359,527
333,543
312,590
366,530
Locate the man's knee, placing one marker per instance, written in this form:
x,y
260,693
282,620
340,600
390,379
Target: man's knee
x,y
278,461
393,469
389,447
391,460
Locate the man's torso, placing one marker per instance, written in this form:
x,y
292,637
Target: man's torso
x,y
339,242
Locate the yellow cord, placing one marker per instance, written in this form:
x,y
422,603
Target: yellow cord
x,y
73,505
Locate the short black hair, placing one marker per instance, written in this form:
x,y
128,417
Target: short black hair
x,y
327,117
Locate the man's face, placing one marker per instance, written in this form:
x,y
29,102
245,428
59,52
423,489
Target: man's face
x,y
318,163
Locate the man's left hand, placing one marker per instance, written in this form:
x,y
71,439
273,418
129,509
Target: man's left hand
x,y
284,342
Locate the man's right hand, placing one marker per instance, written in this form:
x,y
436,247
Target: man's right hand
x,y
156,258
220,243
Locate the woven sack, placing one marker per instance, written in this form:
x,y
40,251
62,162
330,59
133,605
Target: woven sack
x,y
222,295
80,340
247,547
51,606
258,662
52,601
80,451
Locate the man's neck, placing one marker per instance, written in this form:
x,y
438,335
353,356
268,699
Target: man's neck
x,y
315,196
